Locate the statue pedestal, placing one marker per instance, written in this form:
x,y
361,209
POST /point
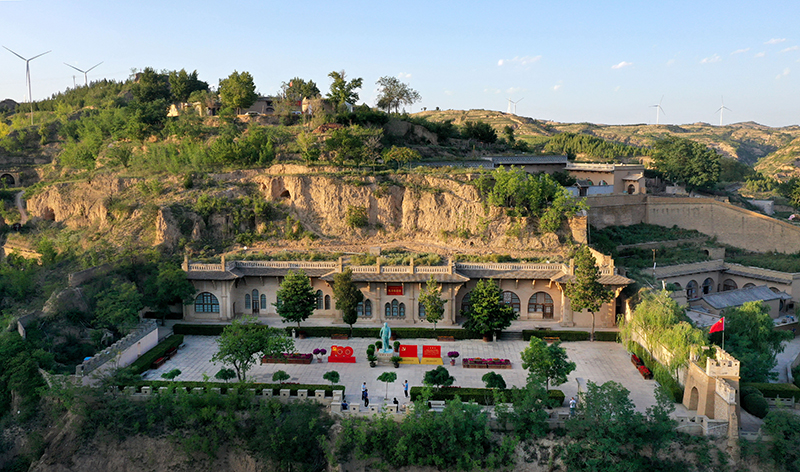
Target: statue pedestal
x,y
384,358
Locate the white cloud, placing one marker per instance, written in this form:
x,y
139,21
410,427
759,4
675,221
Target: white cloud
x,y
492,90
557,87
761,54
709,60
616,89
793,48
739,51
783,74
520,60
671,62
621,65
513,90
403,75
775,40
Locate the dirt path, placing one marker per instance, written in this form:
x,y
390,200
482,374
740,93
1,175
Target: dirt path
x,y
23,215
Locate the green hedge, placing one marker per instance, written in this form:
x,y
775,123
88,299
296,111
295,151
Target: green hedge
x,y
755,404
660,373
568,336
481,396
156,384
142,364
556,398
775,390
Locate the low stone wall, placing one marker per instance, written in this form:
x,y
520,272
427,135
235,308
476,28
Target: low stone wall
x,y
78,278
143,338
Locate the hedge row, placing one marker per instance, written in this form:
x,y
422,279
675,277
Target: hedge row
x,y
775,390
660,373
143,363
328,331
171,385
609,336
753,402
481,396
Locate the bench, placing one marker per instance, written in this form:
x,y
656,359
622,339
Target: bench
x,y
171,352
445,338
158,362
340,336
436,405
551,339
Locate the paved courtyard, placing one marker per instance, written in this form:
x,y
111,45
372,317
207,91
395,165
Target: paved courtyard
x,y
598,362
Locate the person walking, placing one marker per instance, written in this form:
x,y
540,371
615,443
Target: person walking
x,y
363,389
572,405
366,398
405,388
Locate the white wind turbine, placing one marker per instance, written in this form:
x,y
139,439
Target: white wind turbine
x,y
513,105
658,109
27,74
85,72
721,111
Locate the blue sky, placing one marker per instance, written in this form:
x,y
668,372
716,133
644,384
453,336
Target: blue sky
x,y
572,61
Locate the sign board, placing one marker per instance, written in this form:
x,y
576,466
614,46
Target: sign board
x,y
342,354
407,350
394,290
432,351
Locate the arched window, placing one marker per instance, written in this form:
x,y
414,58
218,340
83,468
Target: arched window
x,y
541,302
255,301
466,306
708,286
319,299
395,308
775,290
691,290
387,310
729,285
603,182
247,301
421,311
367,308
677,285
206,303
401,312
327,302
263,301
749,285
631,189
511,298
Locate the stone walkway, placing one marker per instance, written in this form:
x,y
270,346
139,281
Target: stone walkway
x,y
598,362
791,349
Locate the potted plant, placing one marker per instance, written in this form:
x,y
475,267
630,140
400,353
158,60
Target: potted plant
x,y
396,361
379,345
396,346
452,355
319,353
371,357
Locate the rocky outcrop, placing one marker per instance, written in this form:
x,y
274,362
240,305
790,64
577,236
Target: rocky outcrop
x,y
405,129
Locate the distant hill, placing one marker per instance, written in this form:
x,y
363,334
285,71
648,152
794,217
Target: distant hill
x,y
774,149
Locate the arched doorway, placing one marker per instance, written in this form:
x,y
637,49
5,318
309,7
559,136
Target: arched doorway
x,y
8,180
631,189
694,398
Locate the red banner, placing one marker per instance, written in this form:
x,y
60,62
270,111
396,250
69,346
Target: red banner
x,y
407,350
394,290
431,351
342,354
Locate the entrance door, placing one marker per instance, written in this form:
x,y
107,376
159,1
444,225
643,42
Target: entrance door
x,y
255,302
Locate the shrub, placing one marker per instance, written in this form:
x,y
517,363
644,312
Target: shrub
x,y
775,390
567,336
756,405
356,217
142,364
481,396
556,398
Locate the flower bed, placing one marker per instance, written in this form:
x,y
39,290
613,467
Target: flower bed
x,y
289,358
478,363
646,374
636,361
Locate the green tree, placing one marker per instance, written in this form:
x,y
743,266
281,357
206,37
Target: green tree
x,y
439,377
783,427
488,313
751,337
225,375
508,132
479,131
297,89
493,380
296,298
345,143
548,362
586,292
150,86
400,155
343,91
686,162
431,300
118,306
182,84
168,287
527,415
387,378
171,374
610,435
347,297
394,93
238,91
244,338
331,376
280,376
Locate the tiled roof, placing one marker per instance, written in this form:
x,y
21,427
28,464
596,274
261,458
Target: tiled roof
x,y
692,268
401,277
510,274
634,177
720,300
528,160
275,271
759,273
210,275
604,279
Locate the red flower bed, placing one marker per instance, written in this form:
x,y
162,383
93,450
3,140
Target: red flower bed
x,y
479,363
645,372
636,361
288,358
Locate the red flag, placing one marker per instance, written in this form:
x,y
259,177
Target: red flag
x,y
718,326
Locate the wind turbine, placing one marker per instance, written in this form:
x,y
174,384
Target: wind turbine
x,y
513,104
658,109
721,110
85,77
27,74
